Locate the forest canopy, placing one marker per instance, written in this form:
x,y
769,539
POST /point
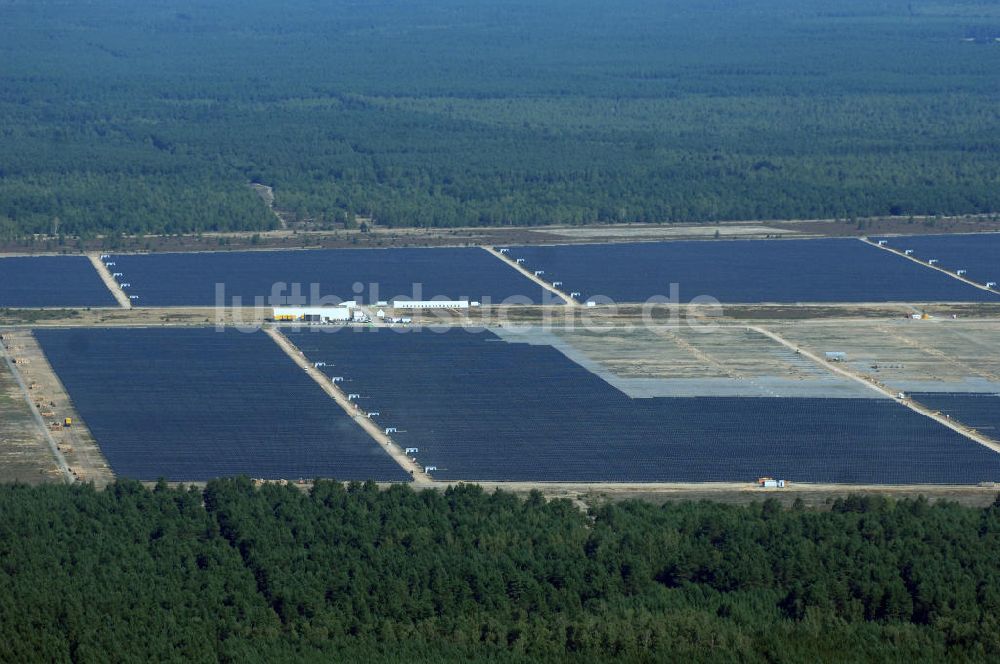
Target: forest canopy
x,y
127,117
356,573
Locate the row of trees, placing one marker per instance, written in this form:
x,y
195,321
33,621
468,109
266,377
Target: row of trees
x,y
349,572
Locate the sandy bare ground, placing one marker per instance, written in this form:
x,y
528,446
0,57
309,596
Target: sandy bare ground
x,y
633,232
379,236
266,194
874,384
28,454
629,316
622,316
135,317
676,352
816,496
74,448
735,491
939,354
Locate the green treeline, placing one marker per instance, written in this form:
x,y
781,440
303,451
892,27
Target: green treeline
x,y
126,117
358,574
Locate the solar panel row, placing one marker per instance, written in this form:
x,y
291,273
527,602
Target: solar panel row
x,y
328,276
730,271
51,281
744,271
481,409
979,411
977,254
193,404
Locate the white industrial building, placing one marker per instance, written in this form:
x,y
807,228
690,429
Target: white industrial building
x,y
340,313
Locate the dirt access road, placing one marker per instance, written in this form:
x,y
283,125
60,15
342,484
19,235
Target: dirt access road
x,y
420,478
109,281
74,449
300,235
512,262
926,264
28,452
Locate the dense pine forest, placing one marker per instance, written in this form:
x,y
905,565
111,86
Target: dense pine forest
x,y
123,117
356,573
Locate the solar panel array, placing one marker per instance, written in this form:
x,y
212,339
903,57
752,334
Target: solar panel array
x,y
745,271
52,281
731,271
978,254
482,409
193,404
418,274
979,411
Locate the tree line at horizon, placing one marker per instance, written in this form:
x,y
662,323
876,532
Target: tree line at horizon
x,y
125,118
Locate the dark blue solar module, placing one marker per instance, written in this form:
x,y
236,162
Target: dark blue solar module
x,y
979,411
743,271
479,408
978,254
417,274
193,404
52,281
